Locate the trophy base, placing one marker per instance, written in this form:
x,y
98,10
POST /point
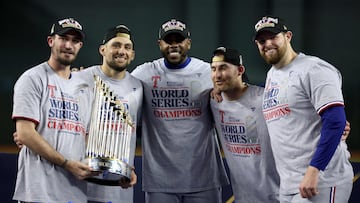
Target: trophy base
x,y
112,170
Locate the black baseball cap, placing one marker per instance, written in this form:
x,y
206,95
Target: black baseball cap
x,y
271,24
63,26
117,31
174,26
227,55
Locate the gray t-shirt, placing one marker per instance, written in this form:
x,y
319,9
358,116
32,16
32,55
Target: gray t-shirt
x,y
130,92
246,144
59,108
179,150
293,97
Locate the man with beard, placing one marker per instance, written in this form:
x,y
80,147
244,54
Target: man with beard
x,y
51,120
117,51
304,110
181,161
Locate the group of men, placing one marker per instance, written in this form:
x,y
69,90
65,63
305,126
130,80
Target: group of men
x,y
282,142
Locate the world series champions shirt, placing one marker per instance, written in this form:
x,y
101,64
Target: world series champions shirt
x,y
58,107
293,97
246,144
179,150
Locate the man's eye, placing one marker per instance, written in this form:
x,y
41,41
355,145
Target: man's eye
x,y
261,41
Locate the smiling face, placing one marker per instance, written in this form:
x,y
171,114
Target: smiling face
x,y
226,76
273,47
65,48
117,53
174,48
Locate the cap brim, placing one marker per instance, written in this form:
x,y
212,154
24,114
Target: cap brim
x,y
179,32
66,30
268,29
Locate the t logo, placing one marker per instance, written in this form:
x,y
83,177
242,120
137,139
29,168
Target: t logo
x,y
155,78
52,90
222,113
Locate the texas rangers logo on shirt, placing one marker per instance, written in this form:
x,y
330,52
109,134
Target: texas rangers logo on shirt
x,y
274,106
63,112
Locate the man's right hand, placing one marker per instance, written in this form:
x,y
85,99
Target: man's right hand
x,y
80,170
216,95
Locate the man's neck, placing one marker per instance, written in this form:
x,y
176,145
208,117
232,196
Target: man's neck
x,y
286,59
60,69
236,92
178,66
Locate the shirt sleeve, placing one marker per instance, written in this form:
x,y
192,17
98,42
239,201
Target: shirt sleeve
x,y
26,99
333,123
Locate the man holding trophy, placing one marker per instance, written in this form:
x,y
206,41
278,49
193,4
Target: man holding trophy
x,y
51,120
115,113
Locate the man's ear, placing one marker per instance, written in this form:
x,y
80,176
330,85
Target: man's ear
x,y
288,35
101,49
189,43
159,41
133,55
50,40
241,69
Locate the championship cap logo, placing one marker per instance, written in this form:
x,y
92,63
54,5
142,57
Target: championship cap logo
x,y
173,26
65,25
271,24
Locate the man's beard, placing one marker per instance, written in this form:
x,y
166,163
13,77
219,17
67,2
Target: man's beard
x,y
65,62
117,67
274,58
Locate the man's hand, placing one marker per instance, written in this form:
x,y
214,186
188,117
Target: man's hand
x,y
216,95
75,69
80,170
309,184
17,141
125,183
346,131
